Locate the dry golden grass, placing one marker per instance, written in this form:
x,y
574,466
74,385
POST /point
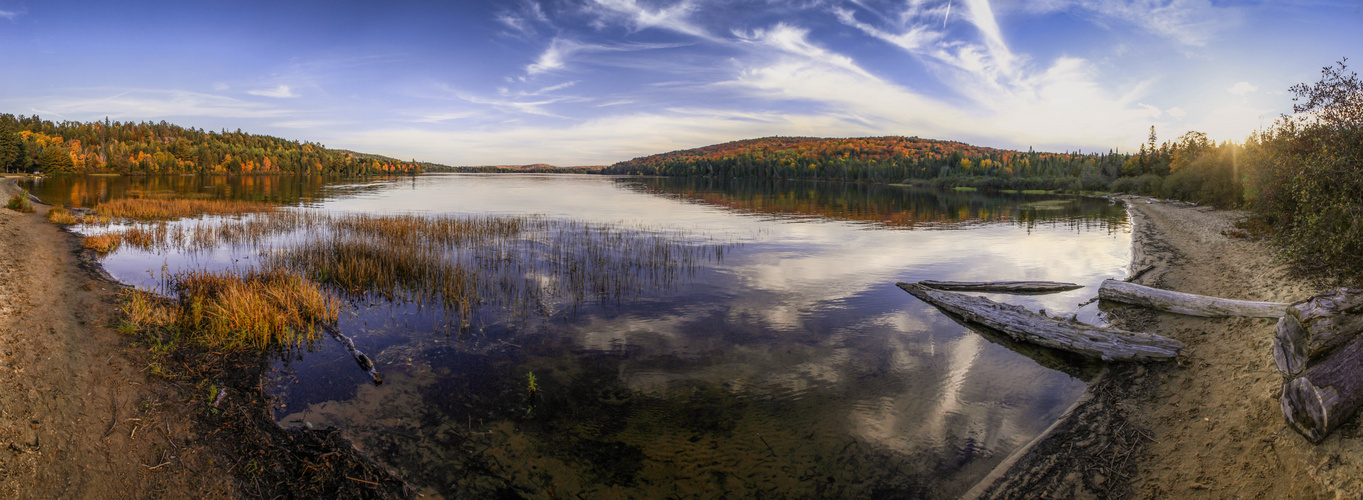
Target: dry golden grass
x,y
60,216
102,243
169,209
256,309
142,310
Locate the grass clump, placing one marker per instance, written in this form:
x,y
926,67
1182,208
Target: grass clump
x,y
60,216
103,243
20,202
255,309
169,209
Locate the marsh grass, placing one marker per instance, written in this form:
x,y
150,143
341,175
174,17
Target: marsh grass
x,y
252,309
513,267
20,202
152,209
103,243
60,216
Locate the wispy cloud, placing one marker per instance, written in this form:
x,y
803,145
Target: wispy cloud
x,y
280,92
9,14
522,20
675,18
1243,88
555,56
1188,22
141,104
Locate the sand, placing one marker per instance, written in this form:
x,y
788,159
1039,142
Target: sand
x,y
78,417
1208,425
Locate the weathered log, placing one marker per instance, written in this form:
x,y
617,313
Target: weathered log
x,y
1187,303
1326,394
1110,344
1031,287
1316,326
1069,363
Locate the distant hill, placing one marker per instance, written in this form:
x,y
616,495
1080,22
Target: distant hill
x,y
535,168
891,158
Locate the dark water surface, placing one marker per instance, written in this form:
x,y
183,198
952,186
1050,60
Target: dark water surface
x,y
785,364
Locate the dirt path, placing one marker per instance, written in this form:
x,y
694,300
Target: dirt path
x,y
78,418
1209,425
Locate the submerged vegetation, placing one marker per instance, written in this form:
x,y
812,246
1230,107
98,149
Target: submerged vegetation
x,y
514,267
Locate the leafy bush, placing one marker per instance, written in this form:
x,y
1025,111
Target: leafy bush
x,y
1310,181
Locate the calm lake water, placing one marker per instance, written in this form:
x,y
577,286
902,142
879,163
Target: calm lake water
x,y
783,361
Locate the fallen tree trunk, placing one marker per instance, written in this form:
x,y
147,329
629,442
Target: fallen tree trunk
x,y
1327,393
1316,326
1001,286
1072,364
1187,303
1109,344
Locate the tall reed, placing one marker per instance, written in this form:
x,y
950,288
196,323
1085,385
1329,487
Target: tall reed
x,y
146,209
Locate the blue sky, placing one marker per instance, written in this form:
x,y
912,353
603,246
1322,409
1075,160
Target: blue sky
x,y
580,82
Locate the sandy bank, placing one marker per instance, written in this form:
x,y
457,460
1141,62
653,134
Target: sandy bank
x,y
1210,424
78,417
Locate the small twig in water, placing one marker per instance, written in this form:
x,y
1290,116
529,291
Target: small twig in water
x,y
362,481
764,441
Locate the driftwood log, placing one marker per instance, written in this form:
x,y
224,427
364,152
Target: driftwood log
x,y
1108,344
1187,303
1326,394
1315,326
1035,287
361,358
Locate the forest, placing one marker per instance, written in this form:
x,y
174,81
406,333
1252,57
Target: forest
x,y
884,159
31,144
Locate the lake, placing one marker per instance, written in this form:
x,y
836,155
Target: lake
x,y
647,337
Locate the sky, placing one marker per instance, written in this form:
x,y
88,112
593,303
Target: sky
x,y
593,82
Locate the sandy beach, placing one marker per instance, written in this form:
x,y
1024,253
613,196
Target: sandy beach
x,y
1210,424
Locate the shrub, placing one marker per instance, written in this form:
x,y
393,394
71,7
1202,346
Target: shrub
x,y
20,202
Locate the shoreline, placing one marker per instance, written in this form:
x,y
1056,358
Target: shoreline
x,y
1206,425
110,418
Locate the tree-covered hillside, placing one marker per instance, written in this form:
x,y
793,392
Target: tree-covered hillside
x,y
878,159
29,143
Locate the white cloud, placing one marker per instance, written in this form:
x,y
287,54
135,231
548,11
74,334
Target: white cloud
x,y
1177,112
281,92
552,58
9,14
1242,88
1061,106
